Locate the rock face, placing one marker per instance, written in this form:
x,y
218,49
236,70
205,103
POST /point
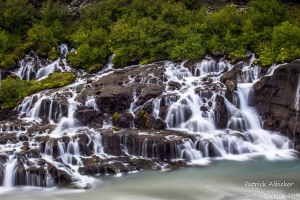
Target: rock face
x,y
115,93
276,99
221,115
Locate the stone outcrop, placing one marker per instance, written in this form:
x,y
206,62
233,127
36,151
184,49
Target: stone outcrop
x,y
115,93
221,116
275,100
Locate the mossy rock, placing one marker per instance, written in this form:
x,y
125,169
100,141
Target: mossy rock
x,y
13,90
95,68
116,118
297,147
12,76
256,62
230,85
142,118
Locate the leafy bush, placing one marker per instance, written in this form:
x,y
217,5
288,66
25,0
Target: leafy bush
x,y
265,13
44,38
146,31
51,12
15,15
12,91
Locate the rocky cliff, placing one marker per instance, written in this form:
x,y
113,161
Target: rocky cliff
x,y
276,98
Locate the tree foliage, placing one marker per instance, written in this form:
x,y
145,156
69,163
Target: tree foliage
x,y
146,31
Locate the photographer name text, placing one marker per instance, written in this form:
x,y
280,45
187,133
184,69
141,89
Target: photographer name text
x,y
268,184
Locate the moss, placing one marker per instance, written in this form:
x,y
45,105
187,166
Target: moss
x,y
13,90
116,128
256,62
116,117
95,68
297,147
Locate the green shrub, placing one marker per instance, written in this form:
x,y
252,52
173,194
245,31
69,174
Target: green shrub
x,y
264,13
51,12
284,45
227,19
53,54
15,15
12,91
293,15
43,38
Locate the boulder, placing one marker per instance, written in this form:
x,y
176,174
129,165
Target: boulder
x,y
86,115
149,92
159,124
221,116
173,85
163,112
141,118
125,120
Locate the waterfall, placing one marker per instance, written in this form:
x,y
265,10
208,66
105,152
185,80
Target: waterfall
x,y
10,172
48,145
109,63
34,67
90,102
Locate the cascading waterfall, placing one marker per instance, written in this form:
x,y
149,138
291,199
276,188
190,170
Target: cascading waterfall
x,y
244,128
71,148
90,102
109,63
34,67
10,172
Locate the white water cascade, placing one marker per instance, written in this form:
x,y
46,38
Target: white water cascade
x,y
33,67
194,112
202,124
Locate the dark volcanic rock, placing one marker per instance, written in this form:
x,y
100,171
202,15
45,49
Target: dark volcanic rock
x,y
174,85
126,119
8,114
221,117
87,115
275,100
149,92
163,112
159,124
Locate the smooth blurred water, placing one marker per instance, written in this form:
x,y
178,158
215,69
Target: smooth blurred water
x,y
221,180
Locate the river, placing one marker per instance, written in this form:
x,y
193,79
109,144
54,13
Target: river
x,y
220,180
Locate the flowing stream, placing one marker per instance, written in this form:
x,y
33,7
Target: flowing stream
x,y
223,180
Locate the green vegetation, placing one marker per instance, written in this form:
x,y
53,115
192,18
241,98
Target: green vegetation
x,y
21,29
13,90
116,117
155,30
147,31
